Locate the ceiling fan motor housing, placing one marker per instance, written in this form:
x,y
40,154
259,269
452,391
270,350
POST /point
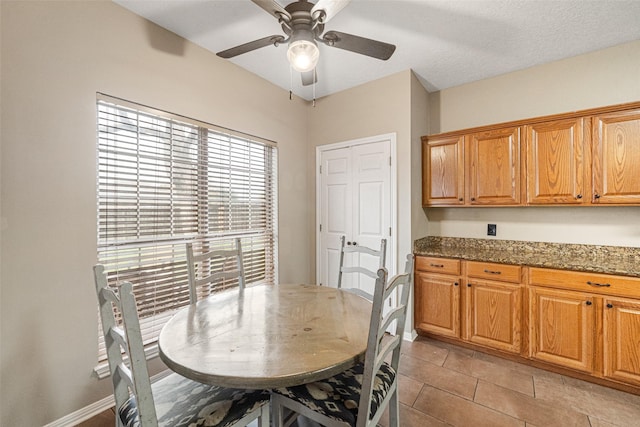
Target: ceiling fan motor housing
x,y
302,26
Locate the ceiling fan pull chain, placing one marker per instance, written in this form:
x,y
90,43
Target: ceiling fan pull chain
x,y
315,80
290,83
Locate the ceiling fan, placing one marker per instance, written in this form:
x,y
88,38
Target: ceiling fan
x,y
303,24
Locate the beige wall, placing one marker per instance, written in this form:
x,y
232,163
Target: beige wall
x,y
419,127
55,57
394,104
379,107
606,77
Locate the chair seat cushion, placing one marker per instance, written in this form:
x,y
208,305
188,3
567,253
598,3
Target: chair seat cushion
x,y
338,397
182,402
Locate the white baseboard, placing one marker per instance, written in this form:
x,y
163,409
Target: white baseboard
x,y
83,414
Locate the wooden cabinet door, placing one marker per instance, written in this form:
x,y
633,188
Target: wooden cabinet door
x,y
555,162
494,167
621,324
494,314
616,158
437,304
443,172
562,327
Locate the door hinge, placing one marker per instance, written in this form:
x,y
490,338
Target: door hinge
x,y
389,160
320,227
320,169
389,231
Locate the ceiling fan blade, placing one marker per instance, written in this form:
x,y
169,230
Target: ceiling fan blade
x,y
330,7
273,8
357,44
309,77
248,47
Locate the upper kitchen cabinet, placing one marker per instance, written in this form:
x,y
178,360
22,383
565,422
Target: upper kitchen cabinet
x,y
494,167
588,158
443,171
476,169
616,158
556,159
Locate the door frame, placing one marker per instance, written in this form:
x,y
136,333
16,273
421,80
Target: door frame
x,y
393,247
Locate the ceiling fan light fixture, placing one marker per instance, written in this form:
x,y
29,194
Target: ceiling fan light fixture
x,y
303,55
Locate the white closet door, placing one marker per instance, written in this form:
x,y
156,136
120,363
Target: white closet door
x,y
355,201
336,210
371,200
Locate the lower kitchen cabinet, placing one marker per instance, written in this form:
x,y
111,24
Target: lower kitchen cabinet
x,y
493,305
621,325
437,296
562,327
583,324
493,314
486,300
566,313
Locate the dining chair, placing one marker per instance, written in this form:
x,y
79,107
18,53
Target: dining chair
x,y
358,396
354,248
173,400
213,266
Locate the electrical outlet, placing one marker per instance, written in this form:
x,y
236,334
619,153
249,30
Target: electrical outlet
x,y
492,229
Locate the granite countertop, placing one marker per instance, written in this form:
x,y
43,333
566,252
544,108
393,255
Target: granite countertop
x,y
590,258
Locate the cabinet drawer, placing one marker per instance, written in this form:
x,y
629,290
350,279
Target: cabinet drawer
x,y
586,282
492,271
438,265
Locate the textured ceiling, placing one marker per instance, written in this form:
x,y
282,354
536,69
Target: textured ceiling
x,y
445,42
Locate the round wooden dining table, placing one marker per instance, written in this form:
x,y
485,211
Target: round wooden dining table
x,y
267,336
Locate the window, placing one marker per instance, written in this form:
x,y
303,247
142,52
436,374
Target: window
x,y
165,180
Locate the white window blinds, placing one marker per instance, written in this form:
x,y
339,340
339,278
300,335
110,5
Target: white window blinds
x,y
164,180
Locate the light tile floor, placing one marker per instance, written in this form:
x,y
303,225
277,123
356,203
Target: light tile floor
x,y
446,385
442,384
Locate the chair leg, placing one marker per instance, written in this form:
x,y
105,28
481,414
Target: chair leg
x,y
394,410
263,421
276,412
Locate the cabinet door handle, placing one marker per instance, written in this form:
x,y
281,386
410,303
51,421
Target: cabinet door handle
x,y
461,199
596,196
492,271
609,305
437,265
598,285
455,284
588,302
468,285
579,196
473,199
